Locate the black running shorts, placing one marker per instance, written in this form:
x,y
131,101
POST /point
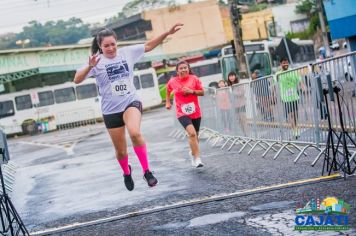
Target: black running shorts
x,y
116,120
185,121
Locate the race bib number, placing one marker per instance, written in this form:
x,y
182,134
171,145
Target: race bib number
x,y
290,92
188,109
120,87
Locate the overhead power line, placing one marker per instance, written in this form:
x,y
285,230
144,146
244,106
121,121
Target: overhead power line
x,y
74,14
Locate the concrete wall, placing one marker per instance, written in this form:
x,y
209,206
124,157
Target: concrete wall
x,y
283,15
203,27
254,24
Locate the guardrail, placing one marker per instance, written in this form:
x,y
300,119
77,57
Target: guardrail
x,y
288,111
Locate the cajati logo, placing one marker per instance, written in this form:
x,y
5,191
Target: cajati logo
x,y
328,214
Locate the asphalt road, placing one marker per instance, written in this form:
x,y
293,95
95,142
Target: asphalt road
x,y
70,180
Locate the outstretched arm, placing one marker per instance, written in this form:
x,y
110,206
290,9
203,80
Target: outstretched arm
x,y
80,75
150,45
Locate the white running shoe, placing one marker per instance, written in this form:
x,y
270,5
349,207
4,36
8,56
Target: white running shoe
x,y
198,162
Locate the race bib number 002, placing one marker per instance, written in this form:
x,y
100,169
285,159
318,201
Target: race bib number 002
x,y
188,109
120,87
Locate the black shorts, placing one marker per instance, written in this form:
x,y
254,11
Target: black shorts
x,y
116,120
185,121
290,107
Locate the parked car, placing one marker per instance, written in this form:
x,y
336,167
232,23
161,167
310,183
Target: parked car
x,y
335,45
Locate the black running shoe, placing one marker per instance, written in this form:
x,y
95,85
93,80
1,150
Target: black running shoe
x,y
150,179
129,183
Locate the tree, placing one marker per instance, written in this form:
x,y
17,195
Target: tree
x,y
136,6
307,7
50,33
222,3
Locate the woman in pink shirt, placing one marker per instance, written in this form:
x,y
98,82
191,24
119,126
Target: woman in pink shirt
x,y
186,88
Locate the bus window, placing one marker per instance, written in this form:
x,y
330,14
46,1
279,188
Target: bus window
x,y
86,91
259,61
229,64
136,82
23,102
64,95
46,98
147,81
227,51
206,70
6,109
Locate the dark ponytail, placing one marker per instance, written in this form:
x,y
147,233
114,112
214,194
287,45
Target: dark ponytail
x,y
98,38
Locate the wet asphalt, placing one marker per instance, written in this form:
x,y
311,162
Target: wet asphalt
x,y
71,176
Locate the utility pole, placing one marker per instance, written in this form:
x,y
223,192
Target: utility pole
x,y
239,47
319,7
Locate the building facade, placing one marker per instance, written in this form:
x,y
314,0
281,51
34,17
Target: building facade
x,y
274,21
203,26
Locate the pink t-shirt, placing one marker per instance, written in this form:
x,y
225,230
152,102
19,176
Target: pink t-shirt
x,y
186,105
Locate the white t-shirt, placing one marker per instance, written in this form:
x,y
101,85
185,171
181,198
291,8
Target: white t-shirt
x,y
115,78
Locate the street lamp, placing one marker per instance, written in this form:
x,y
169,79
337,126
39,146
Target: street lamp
x,y
23,42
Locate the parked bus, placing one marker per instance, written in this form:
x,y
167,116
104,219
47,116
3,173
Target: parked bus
x,y
66,103
304,54
262,56
146,84
208,71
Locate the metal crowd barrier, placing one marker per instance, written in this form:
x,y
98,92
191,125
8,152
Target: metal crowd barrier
x,y
9,170
282,112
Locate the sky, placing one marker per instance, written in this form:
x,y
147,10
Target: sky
x,y
15,14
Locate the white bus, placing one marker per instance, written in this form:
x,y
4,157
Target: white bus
x,y
208,71
304,53
66,103
146,84
263,56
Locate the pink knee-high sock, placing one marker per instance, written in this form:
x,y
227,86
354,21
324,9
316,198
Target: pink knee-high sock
x,y
124,163
141,152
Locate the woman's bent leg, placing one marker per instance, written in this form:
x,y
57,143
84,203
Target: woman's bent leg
x,y
118,139
193,140
132,118
117,136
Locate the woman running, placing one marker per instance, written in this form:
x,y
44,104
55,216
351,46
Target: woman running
x,y
121,107
186,88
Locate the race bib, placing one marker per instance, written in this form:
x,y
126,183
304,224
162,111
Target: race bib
x,y
188,109
120,87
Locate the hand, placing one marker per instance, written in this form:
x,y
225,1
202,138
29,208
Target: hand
x,y
175,28
93,60
187,91
168,105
